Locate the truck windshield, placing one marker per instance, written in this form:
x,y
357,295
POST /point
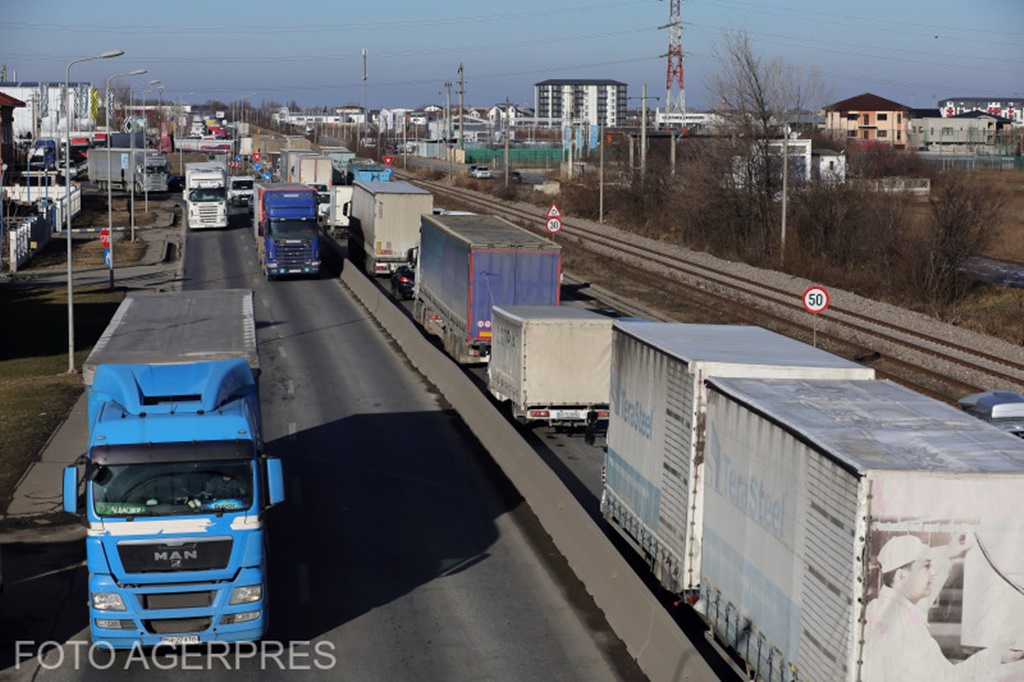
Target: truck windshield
x,y
241,184
208,194
293,229
172,488
156,170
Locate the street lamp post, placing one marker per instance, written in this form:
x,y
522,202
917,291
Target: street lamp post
x,y
145,118
131,132
110,197
3,170
67,198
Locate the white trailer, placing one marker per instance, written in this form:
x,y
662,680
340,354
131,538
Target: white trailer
x,y
656,438
552,363
340,210
315,170
384,229
839,515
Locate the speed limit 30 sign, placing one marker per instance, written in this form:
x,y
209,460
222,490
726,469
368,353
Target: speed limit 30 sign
x,y
815,300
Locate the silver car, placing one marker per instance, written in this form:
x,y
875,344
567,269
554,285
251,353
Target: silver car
x,y
481,172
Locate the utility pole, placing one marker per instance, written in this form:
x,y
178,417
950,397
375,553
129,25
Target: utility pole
x,y
448,124
643,132
600,184
508,129
462,131
366,114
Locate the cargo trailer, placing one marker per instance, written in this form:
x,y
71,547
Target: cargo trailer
x,y
551,363
470,263
858,530
655,455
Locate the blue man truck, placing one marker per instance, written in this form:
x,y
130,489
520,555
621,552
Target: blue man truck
x,y
174,484
286,229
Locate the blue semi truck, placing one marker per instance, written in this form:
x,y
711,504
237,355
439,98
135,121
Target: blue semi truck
x,y
469,263
286,229
174,486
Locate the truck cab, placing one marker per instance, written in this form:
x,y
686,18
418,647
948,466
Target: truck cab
x,y
206,195
174,484
286,229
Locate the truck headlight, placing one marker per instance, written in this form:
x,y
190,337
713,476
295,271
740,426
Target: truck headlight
x,y
107,601
244,617
246,594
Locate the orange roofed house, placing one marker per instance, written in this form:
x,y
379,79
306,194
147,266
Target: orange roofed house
x,y
869,119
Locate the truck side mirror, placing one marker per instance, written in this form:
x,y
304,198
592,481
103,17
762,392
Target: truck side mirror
x,y
275,481
71,489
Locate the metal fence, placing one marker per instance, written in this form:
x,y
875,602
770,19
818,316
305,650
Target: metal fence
x,y
27,238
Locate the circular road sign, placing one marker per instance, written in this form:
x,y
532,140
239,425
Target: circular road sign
x,y
105,238
266,176
815,300
554,225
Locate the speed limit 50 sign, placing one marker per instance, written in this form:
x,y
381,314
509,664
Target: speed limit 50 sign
x,y
815,300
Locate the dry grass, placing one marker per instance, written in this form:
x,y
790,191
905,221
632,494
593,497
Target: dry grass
x,y
36,390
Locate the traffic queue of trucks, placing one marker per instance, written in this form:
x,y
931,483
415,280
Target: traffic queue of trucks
x,y
782,491
286,229
175,481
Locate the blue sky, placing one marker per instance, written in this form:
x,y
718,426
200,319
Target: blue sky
x,y
912,51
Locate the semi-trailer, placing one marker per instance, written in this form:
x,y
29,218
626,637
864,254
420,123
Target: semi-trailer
x,y
551,363
654,463
469,263
860,531
384,225
147,170
174,485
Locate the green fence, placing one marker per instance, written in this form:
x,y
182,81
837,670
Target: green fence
x,y
516,157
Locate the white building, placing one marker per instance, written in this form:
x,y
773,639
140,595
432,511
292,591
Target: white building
x,y
584,101
42,114
1007,107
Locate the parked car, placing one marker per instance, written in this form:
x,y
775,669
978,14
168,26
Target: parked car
x,y
175,183
403,281
516,176
481,172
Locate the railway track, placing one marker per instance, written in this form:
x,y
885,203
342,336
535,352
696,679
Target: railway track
x,y
923,356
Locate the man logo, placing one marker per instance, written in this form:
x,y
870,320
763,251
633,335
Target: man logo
x,y
175,558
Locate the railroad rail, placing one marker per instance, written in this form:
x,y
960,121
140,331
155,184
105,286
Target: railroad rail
x,y
917,355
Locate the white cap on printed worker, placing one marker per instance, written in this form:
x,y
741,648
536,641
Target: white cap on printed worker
x,y
901,551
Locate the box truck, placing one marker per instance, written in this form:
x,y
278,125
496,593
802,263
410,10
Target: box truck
x,y
551,363
174,486
469,263
859,531
654,463
384,227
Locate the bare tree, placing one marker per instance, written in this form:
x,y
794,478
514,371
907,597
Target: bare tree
x,y
757,97
963,212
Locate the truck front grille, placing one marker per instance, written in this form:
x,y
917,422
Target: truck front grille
x,y
171,626
293,254
140,556
177,600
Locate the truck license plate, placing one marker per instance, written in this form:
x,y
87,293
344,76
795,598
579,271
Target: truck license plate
x,y
180,639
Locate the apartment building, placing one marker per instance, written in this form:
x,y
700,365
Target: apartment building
x,y
589,101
